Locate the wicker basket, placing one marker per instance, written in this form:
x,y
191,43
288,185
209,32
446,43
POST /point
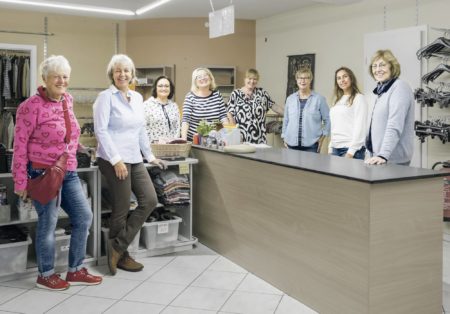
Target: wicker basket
x,y
171,150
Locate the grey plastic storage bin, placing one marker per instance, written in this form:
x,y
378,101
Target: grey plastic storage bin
x,y
13,257
160,234
133,248
62,243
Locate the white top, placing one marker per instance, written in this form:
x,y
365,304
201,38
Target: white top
x,y
161,120
348,124
120,127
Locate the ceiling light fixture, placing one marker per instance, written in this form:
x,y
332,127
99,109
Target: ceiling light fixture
x,y
71,7
151,6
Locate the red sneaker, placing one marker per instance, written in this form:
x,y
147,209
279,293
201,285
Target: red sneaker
x,y
52,282
82,278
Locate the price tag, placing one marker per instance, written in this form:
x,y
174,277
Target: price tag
x,y
163,227
184,168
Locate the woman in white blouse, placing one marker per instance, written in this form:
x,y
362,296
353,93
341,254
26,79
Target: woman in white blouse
x,y
162,117
348,117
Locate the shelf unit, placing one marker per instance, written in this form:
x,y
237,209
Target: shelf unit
x,y
90,175
147,75
185,241
225,77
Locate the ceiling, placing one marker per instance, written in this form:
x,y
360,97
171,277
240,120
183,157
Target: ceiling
x,y
244,9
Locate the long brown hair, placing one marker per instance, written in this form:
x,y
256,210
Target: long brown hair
x,y
338,92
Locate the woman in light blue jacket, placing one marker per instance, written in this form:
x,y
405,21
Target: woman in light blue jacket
x,y
306,116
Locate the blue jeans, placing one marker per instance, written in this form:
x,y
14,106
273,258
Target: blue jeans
x,y
359,154
312,149
75,204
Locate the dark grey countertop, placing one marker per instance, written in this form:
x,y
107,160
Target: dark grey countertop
x,y
334,166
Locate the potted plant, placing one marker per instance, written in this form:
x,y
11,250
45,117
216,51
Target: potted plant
x,y
203,130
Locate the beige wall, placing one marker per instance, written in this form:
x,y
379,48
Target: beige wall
x,y
336,35
88,43
185,43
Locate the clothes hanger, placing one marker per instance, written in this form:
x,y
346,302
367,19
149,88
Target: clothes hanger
x,y
441,45
431,76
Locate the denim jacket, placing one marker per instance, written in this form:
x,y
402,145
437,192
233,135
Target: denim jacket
x,y
316,120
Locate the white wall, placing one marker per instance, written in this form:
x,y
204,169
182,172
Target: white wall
x,y
336,35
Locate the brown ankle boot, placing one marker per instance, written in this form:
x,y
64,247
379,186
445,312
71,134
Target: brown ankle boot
x,y
127,263
113,258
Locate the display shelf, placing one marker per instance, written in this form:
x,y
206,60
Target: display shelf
x,y
90,176
185,240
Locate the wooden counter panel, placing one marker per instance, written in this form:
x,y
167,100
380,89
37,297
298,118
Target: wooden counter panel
x,y
304,233
406,247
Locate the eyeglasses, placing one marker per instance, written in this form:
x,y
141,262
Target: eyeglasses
x,y
202,77
163,86
303,78
381,65
59,77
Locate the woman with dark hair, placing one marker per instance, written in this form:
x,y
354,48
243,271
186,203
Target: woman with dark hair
x,y
391,131
348,116
162,117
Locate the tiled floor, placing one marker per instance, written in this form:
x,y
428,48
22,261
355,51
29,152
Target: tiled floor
x,y
192,282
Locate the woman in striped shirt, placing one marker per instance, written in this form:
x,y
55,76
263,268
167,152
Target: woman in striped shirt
x,y
203,102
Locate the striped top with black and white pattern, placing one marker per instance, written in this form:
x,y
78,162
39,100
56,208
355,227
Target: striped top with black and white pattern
x,y
196,109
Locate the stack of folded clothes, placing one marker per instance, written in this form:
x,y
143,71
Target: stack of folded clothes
x,y
171,188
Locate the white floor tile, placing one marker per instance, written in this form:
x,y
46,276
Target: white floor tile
x,y
7,293
82,304
224,264
290,305
23,283
251,283
182,310
195,261
157,260
218,280
155,292
202,298
147,272
34,301
110,288
251,303
122,307
176,275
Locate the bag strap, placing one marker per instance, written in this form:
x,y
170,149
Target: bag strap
x,y
67,121
43,94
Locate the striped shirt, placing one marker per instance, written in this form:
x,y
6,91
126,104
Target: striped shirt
x,y
196,109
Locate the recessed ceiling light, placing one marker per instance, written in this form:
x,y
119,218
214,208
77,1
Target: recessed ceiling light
x,y
151,6
60,5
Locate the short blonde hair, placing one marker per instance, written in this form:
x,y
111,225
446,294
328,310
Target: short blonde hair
x,y
252,72
195,73
54,64
122,60
388,57
304,71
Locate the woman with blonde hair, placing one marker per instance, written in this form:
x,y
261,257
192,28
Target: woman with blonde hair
x,y
119,123
348,116
203,102
306,120
391,129
248,106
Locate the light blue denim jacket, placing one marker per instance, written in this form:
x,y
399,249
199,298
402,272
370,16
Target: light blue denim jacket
x,y
316,120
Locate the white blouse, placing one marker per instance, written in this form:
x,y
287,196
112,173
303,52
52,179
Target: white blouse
x,y
161,120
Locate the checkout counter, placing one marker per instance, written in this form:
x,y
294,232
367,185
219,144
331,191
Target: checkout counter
x,y
336,234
